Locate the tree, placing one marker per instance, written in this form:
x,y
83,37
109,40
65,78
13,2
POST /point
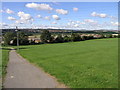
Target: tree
x,y
109,36
103,36
8,37
76,37
118,35
59,39
23,39
45,36
66,38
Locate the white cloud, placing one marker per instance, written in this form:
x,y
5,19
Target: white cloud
x,y
61,11
113,17
19,22
1,11
9,11
75,9
3,24
77,21
11,18
24,18
39,16
39,6
115,23
82,23
56,17
102,15
90,21
47,17
68,24
76,25
54,22
94,14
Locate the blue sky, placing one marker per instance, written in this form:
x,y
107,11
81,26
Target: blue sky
x,y
71,15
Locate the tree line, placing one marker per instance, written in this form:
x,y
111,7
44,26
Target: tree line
x,y
10,38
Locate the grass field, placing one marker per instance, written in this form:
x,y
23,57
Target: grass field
x,y
5,58
86,64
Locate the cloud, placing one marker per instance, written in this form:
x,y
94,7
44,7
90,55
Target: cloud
x,y
19,22
62,11
113,17
90,21
24,18
94,14
76,25
9,11
3,24
68,24
1,11
75,9
39,16
54,22
56,17
115,23
39,6
47,17
101,15
11,18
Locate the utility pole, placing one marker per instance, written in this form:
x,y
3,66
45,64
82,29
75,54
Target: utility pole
x,y
17,38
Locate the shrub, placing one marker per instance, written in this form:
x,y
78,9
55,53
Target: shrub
x,y
45,36
59,39
66,38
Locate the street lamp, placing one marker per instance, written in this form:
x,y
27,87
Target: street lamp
x,y
17,38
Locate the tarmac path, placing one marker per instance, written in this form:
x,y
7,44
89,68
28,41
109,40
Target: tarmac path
x,y
22,74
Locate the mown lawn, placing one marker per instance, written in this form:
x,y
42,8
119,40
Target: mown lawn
x,y
85,64
5,58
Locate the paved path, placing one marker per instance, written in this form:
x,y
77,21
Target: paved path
x,y
22,74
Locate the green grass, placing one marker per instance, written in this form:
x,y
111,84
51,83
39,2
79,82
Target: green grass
x,y
5,58
86,64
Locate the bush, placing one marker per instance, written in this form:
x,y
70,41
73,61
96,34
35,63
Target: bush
x,y
59,39
23,39
8,37
67,39
45,36
76,37
118,36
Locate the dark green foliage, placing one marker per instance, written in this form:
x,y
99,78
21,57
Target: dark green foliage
x,y
91,37
88,37
32,42
51,39
76,37
109,36
103,36
23,39
8,37
66,39
45,36
59,39
119,36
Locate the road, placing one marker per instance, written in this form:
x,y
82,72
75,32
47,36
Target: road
x,y
22,74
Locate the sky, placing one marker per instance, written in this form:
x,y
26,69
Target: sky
x,y
60,15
